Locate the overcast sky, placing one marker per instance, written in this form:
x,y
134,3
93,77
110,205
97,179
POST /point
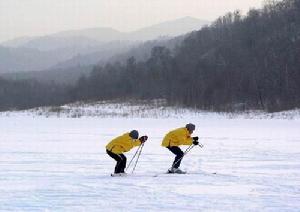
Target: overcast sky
x,y
39,17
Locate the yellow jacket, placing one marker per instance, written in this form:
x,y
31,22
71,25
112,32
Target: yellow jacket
x,y
180,136
123,143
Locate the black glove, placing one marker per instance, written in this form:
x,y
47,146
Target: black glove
x,y
143,139
196,138
195,142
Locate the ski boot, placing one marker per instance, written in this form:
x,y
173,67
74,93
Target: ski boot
x,y
176,171
122,174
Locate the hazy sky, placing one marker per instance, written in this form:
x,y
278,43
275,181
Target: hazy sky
x,y
39,17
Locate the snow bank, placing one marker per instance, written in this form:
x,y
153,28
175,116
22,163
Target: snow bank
x,y
153,109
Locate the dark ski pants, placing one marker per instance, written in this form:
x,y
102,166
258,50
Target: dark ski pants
x,y
179,154
121,161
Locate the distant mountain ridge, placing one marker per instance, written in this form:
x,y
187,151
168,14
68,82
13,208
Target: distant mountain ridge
x,y
17,42
104,34
63,39
169,28
59,49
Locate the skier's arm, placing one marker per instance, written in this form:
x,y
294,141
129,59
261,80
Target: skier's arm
x,y
188,140
140,141
136,142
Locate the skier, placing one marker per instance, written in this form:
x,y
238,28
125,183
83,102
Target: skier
x,y
121,144
180,136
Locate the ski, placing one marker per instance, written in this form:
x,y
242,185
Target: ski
x,y
118,175
185,173
170,173
161,174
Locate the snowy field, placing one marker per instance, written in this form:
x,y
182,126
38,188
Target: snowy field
x,y
60,164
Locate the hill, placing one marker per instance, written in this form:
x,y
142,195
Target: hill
x,y
60,50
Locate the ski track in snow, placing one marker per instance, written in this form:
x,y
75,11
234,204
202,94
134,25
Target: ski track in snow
x,y
60,164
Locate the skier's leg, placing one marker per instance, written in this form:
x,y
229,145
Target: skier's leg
x,y
179,154
123,163
119,160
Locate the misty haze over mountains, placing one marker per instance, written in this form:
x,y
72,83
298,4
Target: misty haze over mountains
x,y
74,48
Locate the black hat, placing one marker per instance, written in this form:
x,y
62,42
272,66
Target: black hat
x,y
190,127
134,134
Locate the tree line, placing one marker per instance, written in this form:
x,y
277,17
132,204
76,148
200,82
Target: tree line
x,y
24,94
238,62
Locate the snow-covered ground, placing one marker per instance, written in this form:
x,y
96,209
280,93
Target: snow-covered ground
x,y
60,164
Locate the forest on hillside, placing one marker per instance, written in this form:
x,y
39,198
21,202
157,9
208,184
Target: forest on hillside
x,y
236,63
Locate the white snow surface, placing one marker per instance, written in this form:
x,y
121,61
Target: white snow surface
x,y
60,164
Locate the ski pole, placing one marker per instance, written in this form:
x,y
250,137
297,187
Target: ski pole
x,y
138,157
185,152
133,158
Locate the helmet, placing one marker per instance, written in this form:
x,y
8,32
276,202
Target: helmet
x,y
190,127
134,134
